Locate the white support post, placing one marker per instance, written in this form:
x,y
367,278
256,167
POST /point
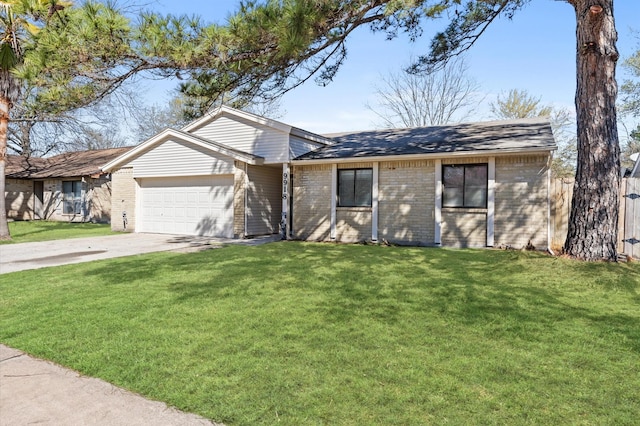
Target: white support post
x,y
437,238
334,199
374,204
285,224
491,201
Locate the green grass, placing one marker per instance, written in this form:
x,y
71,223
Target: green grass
x,y
305,334
41,230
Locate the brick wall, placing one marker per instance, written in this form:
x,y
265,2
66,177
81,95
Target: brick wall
x,y
19,199
123,198
464,227
521,208
406,209
311,202
353,224
406,202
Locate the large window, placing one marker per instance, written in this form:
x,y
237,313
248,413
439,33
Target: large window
x,y
354,187
72,197
465,185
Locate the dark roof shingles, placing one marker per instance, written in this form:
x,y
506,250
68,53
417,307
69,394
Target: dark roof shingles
x,y
70,164
524,134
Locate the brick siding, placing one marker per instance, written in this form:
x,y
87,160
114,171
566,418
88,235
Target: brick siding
x,y
311,202
521,208
123,199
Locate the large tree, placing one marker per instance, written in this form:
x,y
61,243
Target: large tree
x,y
415,99
273,46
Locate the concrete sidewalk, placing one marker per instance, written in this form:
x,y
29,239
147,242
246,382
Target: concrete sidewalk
x,y
33,391
23,256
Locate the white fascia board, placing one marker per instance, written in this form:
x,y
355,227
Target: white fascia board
x,y
171,133
500,153
130,155
213,114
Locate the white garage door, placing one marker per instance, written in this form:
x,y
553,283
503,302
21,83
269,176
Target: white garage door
x,y
200,205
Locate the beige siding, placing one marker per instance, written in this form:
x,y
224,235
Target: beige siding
x,y
406,202
464,227
299,146
521,206
247,136
123,199
175,158
311,202
19,199
264,200
239,186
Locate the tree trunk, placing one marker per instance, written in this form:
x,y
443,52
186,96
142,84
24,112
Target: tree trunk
x,y
4,126
593,221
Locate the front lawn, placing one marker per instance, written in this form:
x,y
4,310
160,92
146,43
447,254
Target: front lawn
x,y
42,230
301,333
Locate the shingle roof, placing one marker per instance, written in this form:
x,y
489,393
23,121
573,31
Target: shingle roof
x,y
70,164
532,134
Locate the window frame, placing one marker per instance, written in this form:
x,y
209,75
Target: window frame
x,y
465,204
70,199
345,203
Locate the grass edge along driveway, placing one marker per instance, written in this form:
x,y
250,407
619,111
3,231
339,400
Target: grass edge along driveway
x,y
303,333
42,230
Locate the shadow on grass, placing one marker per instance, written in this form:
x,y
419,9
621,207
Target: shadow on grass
x,y
501,294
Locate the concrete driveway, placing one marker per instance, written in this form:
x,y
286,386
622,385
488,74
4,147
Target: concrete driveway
x,y
23,256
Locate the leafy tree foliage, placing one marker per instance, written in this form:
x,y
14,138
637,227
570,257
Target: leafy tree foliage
x,y
630,89
520,104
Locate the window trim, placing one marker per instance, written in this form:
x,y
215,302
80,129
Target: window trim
x,y
70,197
464,177
340,203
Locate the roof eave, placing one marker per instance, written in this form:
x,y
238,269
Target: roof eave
x,y
434,156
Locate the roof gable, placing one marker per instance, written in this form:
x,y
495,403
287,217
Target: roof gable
x,y
457,139
185,138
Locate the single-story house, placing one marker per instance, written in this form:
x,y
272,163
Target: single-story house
x,y
235,174
69,187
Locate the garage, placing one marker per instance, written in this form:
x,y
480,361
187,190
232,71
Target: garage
x,y
195,205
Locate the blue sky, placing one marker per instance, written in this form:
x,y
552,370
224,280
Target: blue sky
x,y
534,51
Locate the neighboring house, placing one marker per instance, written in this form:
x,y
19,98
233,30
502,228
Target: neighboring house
x,y
235,174
69,187
635,170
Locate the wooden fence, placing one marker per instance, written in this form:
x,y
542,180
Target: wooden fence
x,y
628,214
